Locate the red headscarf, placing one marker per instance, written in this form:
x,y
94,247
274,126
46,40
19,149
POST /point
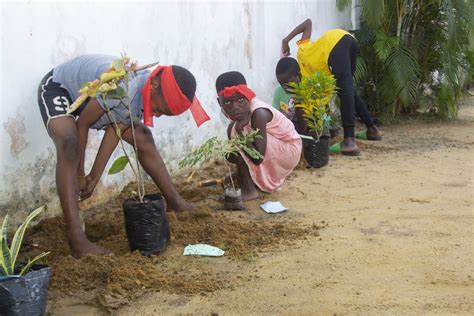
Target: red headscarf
x,y
240,89
176,100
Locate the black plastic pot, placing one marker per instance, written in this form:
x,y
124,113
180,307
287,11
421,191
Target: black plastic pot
x,y
316,152
25,295
146,224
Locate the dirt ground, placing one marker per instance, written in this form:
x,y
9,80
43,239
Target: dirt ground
x,y
390,231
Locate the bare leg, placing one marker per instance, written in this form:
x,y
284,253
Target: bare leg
x,y
151,161
63,131
249,190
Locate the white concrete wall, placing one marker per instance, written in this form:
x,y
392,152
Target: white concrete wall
x,y
207,37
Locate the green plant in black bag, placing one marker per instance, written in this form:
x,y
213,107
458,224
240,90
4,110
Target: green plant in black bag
x,y
312,95
9,254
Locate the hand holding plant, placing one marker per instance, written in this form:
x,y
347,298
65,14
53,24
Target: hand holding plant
x,y
223,149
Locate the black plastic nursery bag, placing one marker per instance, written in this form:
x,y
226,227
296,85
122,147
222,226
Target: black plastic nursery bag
x,y
316,153
146,224
25,295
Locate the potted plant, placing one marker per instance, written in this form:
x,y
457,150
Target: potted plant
x,y
145,215
222,150
23,287
312,95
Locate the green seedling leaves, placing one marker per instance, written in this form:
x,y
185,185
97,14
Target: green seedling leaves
x,y
313,95
118,165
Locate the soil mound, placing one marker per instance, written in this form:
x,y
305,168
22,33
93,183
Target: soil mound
x,y
112,281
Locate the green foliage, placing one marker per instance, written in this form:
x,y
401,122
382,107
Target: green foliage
x,y
9,255
313,94
118,165
408,46
222,149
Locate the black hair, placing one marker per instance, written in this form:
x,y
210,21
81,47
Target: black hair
x,y
185,80
287,66
229,79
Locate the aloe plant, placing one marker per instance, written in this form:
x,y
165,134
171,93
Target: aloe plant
x,y
9,255
223,149
313,95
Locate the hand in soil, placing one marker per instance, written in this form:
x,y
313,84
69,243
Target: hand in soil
x,y
88,189
179,206
81,247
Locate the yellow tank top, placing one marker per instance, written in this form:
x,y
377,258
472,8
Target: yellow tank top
x,y
313,56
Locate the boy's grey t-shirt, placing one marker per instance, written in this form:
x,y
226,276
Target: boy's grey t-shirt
x,y
74,73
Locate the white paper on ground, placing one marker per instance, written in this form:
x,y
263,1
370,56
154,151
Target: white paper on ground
x,y
203,250
273,207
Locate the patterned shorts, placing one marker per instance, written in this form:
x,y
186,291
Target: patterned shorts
x,y
53,100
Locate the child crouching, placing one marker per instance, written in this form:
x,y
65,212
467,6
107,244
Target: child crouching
x,y
280,144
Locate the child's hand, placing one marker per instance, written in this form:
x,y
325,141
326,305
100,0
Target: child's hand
x,y
285,48
239,125
81,183
88,189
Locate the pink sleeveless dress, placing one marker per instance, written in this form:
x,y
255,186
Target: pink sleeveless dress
x,y
282,154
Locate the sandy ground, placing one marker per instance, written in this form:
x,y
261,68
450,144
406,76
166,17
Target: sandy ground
x,y
399,238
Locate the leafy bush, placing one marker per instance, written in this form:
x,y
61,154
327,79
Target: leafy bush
x,y
313,94
413,55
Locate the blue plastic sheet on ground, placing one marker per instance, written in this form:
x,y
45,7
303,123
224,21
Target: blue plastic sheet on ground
x,y
273,207
203,250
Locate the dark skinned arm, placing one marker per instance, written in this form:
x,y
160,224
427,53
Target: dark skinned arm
x,y
91,113
107,147
304,28
260,118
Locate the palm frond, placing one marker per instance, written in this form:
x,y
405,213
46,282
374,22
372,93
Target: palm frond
x,y
373,12
402,71
384,45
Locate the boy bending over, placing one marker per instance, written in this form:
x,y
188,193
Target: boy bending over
x,y
167,90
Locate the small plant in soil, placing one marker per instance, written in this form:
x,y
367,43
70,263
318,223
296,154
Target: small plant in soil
x,y
222,150
313,95
23,286
9,254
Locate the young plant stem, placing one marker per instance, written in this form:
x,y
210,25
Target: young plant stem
x,y
230,175
119,135
141,186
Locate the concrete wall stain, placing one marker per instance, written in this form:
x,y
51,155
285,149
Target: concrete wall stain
x,y
15,128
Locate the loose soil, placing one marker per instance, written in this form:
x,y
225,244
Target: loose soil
x,y
112,281
397,239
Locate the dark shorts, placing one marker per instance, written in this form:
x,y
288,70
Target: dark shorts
x,y
53,100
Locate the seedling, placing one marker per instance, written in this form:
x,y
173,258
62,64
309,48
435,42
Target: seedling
x,y
222,150
109,85
9,255
313,95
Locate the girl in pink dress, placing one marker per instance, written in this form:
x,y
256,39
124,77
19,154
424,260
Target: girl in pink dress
x,y
280,144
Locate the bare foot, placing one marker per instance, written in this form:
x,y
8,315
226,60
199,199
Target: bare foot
x,y
349,147
80,246
247,196
373,133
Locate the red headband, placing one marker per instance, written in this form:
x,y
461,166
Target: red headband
x,y
175,99
240,89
